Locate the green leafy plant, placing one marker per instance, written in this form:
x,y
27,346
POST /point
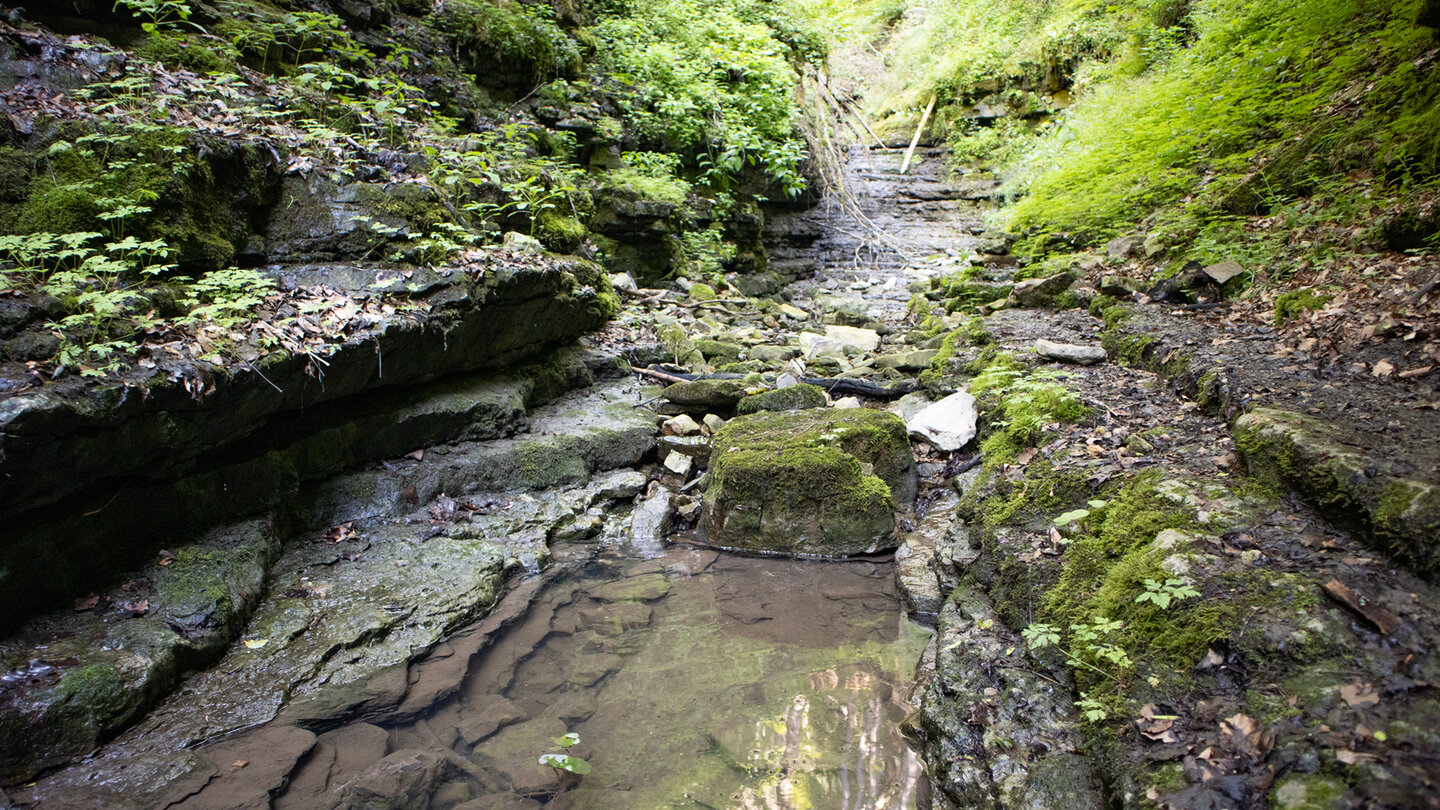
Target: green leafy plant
x,y
1091,709
1162,594
1092,646
1066,518
98,289
562,761
158,14
714,80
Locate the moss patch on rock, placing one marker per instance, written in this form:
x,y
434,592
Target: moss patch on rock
x,y
794,398
812,483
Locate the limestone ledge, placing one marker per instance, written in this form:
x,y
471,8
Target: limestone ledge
x,y
325,607
155,466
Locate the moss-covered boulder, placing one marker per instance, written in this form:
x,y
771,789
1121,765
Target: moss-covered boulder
x,y
707,393
820,483
793,398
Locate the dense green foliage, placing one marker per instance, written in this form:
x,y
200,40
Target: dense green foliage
x,y
1270,100
465,106
1187,114
714,81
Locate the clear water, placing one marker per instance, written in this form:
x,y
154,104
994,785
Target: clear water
x,y
694,680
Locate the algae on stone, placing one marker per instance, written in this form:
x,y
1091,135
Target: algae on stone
x,y
793,398
813,483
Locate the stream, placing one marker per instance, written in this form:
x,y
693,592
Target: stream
x,y
693,679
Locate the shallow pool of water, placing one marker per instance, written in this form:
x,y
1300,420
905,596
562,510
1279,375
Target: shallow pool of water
x,y
694,680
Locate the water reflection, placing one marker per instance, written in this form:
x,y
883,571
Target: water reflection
x,y
698,681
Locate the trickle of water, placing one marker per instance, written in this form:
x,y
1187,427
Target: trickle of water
x,y
695,680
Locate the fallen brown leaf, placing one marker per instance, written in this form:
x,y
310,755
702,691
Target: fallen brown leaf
x,y
86,603
1385,621
342,532
1359,694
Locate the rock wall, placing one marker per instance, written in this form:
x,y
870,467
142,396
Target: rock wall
x,y
92,479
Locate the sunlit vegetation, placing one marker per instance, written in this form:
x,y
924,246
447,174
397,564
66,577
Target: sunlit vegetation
x,y
120,213
1180,117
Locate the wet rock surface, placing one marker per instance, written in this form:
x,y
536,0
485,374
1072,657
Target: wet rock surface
x,y
127,443
401,565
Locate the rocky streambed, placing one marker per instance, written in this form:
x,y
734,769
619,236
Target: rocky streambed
x,y
1129,606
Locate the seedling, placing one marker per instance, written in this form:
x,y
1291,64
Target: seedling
x,y
561,761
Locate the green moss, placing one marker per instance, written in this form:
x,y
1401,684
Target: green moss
x,y
1111,311
416,205
918,308
1308,791
1130,350
745,367
605,306
561,234
1031,403
976,333
1395,501
719,352
497,38
718,393
992,359
98,694
1043,489
1295,303
1208,391
649,187
792,398
795,481
940,364
1105,567
181,49
700,291
962,294
1068,300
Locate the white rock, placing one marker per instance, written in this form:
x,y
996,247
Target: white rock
x,y
681,425
652,516
679,463
948,424
794,313
713,423
812,344
1070,353
907,406
866,340
522,243
1223,271
623,281
847,402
